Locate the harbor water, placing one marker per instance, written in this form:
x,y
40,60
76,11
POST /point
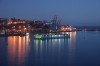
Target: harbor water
x,y
81,49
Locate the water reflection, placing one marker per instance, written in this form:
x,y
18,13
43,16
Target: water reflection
x,y
54,50
26,50
72,48
50,44
47,49
17,47
75,51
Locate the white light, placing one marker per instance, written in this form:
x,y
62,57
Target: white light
x,y
27,34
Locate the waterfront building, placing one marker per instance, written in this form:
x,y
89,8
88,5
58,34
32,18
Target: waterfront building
x,y
67,28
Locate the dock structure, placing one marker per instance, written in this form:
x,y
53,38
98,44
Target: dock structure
x,y
13,34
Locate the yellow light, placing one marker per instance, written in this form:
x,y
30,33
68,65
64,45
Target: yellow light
x,y
14,22
24,28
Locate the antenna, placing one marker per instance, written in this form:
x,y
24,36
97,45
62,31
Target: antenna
x,y
55,19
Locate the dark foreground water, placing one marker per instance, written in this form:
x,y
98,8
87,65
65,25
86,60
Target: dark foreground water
x,y
81,49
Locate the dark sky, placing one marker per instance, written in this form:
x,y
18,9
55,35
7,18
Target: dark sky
x,y
72,12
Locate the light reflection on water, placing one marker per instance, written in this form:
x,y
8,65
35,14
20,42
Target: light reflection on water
x,y
17,49
72,48
80,50
21,49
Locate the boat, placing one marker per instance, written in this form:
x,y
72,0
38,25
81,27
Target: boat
x,y
51,36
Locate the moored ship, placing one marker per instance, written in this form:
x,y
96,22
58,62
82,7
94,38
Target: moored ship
x,y
51,36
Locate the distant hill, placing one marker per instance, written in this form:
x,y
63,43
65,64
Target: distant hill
x,y
88,28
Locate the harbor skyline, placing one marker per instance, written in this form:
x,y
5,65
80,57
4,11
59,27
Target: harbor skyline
x,y
49,32
72,12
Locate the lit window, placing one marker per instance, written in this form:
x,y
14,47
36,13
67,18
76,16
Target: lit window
x,y
19,26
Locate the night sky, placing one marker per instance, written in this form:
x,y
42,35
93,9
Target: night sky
x,y
72,12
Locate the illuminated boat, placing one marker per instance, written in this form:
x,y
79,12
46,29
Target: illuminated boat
x,y
51,36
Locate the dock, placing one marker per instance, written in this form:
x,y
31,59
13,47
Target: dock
x,y
13,34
